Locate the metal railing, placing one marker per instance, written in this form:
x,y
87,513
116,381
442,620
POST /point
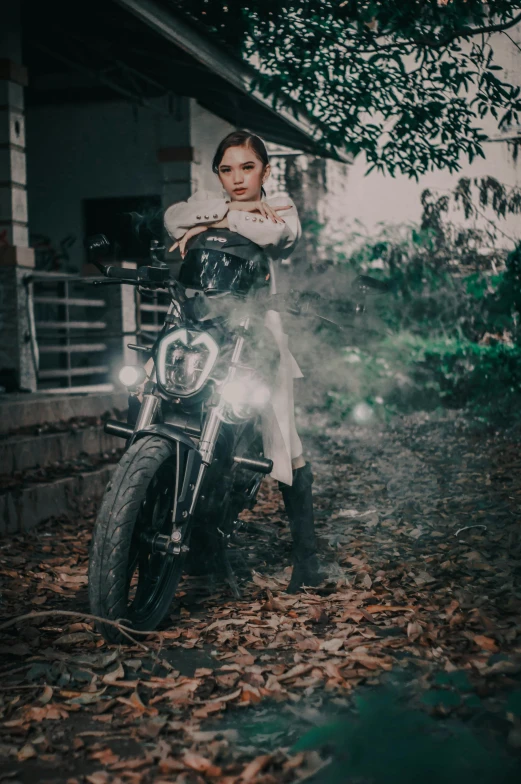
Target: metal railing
x,y
80,338
70,332
151,310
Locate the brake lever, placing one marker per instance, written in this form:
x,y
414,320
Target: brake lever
x,y
110,281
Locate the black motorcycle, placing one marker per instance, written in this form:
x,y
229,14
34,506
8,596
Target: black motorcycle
x,y
194,456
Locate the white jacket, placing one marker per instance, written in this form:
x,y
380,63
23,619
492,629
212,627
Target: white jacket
x,y
280,438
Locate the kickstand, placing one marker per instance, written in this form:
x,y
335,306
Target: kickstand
x,y
230,574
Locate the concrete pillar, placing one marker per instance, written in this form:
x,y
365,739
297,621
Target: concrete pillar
x,y
174,153
175,159
306,183
13,181
18,351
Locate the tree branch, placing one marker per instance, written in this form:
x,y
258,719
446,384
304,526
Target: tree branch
x,y
73,614
467,32
433,43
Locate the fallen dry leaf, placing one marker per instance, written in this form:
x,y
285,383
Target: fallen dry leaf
x,y
50,712
486,643
414,630
332,645
26,752
377,608
131,764
74,638
101,777
171,765
105,756
114,675
254,767
295,672
201,764
46,695
208,710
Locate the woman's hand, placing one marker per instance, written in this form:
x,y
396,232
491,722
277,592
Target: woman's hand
x,y
181,244
262,207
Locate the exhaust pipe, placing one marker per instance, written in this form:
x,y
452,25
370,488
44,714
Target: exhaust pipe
x,y
259,464
120,429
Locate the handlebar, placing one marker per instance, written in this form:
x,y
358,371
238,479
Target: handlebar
x,y
149,277
121,273
99,246
295,302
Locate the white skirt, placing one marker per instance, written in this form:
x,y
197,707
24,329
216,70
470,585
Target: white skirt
x,y
281,442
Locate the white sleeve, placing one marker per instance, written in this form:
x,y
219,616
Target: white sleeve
x,y
264,232
203,207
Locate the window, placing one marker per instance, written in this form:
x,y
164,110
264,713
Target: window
x,y
130,223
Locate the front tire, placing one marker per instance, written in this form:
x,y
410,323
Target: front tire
x,y
127,581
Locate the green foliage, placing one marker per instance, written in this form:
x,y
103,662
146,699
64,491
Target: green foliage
x,y
406,82
407,371
450,329
459,679
514,703
389,742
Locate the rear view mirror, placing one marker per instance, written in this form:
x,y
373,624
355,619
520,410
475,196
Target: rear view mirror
x,y
366,283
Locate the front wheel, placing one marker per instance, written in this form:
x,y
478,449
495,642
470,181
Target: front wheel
x,y
128,582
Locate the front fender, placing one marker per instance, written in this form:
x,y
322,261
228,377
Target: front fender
x,y
164,430
188,462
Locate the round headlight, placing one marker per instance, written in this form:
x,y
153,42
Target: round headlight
x,y
185,359
132,375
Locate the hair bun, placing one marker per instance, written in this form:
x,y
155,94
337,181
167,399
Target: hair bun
x,y
240,139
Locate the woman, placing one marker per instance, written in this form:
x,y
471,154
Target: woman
x,y
242,166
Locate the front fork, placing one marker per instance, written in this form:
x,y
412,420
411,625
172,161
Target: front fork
x,y
147,412
212,425
207,443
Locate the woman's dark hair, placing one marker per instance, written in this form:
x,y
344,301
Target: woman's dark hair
x,y
241,139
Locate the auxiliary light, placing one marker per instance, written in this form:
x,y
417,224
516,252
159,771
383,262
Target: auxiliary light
x,y
132,375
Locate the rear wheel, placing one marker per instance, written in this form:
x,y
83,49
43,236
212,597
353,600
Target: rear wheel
x,y
128,582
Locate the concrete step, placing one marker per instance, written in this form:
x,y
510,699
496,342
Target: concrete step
x,y
21,412
21,453
26,507
54,455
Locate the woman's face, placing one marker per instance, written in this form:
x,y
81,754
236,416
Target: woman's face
x,y
242,174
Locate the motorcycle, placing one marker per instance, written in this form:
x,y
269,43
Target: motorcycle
x,y
193,459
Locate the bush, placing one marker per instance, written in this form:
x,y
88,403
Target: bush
x,y
450,326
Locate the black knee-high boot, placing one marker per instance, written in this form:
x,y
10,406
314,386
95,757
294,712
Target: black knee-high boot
x,y
298,501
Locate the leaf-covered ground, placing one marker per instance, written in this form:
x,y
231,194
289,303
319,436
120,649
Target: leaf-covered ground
x,y
405,666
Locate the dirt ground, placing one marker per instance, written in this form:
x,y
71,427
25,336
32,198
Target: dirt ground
x,y
405,666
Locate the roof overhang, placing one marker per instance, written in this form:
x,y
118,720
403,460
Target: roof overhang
x,y
139,50
233,71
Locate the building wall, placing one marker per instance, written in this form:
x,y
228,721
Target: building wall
x,y
318,187
207,130
110,150
94,151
